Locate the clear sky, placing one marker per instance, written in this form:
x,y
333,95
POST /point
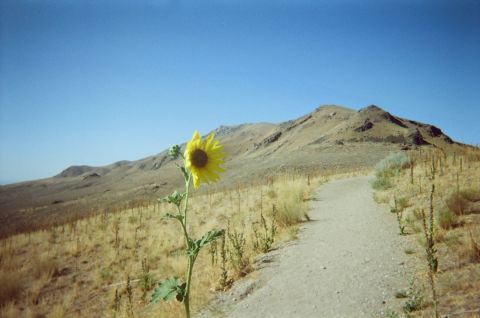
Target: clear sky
x,y
94,82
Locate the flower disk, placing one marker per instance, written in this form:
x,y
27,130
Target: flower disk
x,y
203,159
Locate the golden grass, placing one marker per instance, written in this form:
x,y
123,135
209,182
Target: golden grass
x,y
290,204
457,224
76,269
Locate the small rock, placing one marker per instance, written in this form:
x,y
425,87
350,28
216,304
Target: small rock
x,y
234,299
324,267
338,292
384,302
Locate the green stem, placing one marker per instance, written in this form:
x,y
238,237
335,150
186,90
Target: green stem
x,y
191,262
187,192
191,258
184,229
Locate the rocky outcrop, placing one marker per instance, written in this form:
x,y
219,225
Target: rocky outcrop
x,y
270,139
434,131
376,114
160,163
366,126
394,120
417,139
298,122
448,139
92,175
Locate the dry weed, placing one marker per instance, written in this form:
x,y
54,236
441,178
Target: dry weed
x,y
74,270
457,192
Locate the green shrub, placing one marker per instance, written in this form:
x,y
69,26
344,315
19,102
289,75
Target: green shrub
x,y
392,314
381,182
415,300
402,203
392,163
264,238
446,219
236,251
387,168
105,273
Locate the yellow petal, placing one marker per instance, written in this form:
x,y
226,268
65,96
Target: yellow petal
x,y
215,155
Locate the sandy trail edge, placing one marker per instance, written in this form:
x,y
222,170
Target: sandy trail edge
x,y
348,262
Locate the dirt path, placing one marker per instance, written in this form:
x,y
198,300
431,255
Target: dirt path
x,y
348,262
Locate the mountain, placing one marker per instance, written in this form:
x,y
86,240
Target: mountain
x,y
330,137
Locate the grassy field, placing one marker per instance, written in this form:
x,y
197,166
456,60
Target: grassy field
x,y
435,197
107,265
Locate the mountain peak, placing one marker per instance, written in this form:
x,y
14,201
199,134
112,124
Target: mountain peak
x,y
372,109
331,107
74,171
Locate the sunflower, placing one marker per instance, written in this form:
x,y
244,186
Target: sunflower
x,y
203,159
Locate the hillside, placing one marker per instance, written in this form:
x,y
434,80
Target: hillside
x,y
331,137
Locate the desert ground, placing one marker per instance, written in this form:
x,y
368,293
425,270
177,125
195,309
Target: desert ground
x,y
339,213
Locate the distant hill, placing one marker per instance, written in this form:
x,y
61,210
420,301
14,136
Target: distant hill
x,y
330,137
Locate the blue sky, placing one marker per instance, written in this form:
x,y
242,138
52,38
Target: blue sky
x,y
94,82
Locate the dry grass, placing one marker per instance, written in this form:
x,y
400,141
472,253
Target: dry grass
x,y
456,203
291,196
447,219
10,310
10,286
76,269
457,224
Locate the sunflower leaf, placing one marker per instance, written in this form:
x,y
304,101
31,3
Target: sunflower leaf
x,y
209,237
185,173
175,198
193,247
169,288
173,216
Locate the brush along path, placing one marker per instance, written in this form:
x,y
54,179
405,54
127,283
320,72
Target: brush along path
x,y
348,262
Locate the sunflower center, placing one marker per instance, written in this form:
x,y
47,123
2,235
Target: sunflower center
x,y
199,158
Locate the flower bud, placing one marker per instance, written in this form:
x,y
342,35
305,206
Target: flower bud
x,y
174,151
